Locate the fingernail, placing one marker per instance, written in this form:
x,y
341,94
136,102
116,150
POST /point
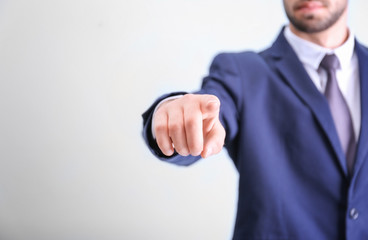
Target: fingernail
x,y
213,103
168,153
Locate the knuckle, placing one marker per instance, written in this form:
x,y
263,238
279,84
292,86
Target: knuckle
x,y
160,110
160,128
190,100
175,128
190,122
188,96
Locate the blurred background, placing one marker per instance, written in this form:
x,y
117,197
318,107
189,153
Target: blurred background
x,y
75,77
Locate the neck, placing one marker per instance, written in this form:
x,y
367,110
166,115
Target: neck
x,y
331,38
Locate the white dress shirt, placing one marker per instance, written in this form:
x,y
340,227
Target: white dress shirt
x,y
347,75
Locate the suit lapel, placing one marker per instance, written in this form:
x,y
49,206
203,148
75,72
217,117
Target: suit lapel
x,y
362,149
293,72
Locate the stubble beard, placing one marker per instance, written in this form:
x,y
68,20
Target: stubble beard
x,y
311,24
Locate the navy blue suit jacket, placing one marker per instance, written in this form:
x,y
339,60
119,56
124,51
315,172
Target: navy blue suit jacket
x,y
293,179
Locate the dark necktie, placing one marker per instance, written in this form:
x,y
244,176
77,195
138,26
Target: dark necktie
x,y
339,110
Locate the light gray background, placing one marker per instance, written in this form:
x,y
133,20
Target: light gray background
x,y
75,76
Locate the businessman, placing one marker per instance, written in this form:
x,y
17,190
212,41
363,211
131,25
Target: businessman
x,y
293,118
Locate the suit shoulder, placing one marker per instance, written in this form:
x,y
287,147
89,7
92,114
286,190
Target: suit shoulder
x,y
245,58
361,46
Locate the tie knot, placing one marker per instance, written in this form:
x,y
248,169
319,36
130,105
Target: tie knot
x,y
330,62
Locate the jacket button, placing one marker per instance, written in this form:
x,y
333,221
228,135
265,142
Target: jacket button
x,y
354,214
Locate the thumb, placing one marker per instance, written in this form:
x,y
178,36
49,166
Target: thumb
x,y
210,107
214,140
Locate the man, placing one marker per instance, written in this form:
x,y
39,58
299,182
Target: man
x,y
294,119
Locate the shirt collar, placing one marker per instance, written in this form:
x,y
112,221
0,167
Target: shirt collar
x,y
312,54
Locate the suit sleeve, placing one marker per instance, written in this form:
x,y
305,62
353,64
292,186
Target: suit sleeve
x,y
224,82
